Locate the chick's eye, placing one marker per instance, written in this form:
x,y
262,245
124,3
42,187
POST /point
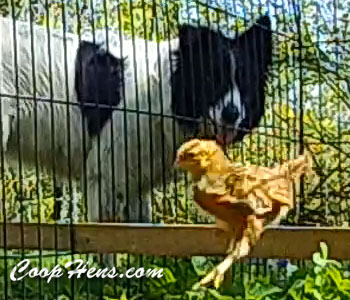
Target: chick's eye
x,y
190,155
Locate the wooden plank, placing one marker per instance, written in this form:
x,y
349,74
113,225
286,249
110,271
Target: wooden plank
x,y
172,240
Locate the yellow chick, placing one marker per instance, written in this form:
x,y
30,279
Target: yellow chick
x,y
243,199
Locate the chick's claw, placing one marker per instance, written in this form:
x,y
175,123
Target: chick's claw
x,y
231,246
211,276
217,274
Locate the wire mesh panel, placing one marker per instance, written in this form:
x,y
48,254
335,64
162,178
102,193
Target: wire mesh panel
x,y
96,97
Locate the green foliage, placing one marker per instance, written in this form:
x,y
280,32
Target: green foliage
x,y
322,278
324,281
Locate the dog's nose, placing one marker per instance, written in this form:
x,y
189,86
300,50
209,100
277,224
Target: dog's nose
x,y
230,114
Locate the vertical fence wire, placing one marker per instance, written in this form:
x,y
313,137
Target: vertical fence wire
x,y
298,17
37,181
3,204
69,158
339,110
80,11
319,75
52,135
18,112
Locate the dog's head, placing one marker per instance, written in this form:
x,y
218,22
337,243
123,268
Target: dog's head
x,y
221,80
215,78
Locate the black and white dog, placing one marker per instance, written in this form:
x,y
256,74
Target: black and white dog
x,y
112,110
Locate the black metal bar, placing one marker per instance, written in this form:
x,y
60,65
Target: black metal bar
x,y
18,112
3,203
37,181
139,169
298,12
66,88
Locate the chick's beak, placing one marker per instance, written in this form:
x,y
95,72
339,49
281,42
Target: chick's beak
x,y
177,161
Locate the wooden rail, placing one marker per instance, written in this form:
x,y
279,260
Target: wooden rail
x,y
171,240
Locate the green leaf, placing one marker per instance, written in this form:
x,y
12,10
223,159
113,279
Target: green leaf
x,y
261,288
317,269
173,297
345,285
334,207
296,290
324,250
317,294
335,275
270,291
201,265
335,263
318,280
318,260
218,296
309,285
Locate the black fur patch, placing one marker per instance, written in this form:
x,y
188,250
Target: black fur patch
x,y
203,72
253,55
97,82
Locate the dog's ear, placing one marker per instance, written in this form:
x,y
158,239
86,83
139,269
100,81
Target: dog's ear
x,y
253,55
202,76
97,82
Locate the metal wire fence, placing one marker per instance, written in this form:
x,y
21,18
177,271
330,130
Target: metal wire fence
x,y
56,169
